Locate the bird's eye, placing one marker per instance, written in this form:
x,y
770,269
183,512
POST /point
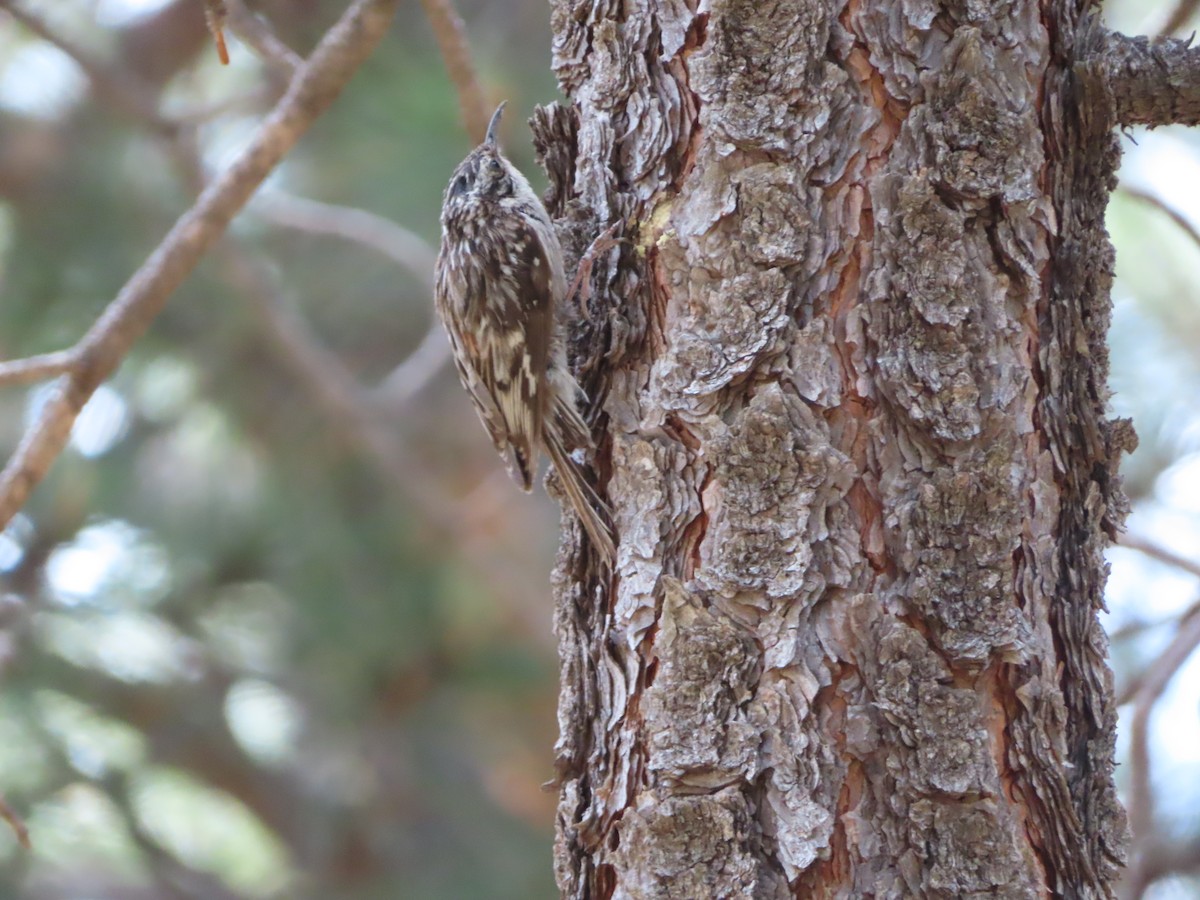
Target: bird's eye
x,y
493,165
461,185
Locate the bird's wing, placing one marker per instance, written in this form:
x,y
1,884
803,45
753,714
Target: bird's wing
x,y
498,311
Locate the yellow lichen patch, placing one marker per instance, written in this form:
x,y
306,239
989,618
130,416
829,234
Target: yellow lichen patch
x,y
654,230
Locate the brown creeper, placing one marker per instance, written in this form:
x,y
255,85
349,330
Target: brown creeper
x,y
499,283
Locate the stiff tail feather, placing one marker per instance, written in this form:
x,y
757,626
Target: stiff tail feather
x,y
584,500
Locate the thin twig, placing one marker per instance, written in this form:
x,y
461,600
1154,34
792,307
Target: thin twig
x,y
405,248
1156,551
340,398
252,101
451,36
343,48
16,823
256,34
1133,629
417,370
1175,215
339,394
215,15
38,368
1182,12
332,385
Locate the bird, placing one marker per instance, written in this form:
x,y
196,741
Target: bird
x,y
498,288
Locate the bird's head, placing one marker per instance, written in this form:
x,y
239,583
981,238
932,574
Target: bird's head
x,y
485,174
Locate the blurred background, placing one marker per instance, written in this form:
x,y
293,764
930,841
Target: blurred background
x,y
278,625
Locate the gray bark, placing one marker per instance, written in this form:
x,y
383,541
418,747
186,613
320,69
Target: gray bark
x,y
851,370
1150,82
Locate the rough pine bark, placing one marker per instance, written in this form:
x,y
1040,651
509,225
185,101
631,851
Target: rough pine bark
x,y
849,365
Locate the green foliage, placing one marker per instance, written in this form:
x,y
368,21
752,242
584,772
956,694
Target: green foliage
x,y
238,652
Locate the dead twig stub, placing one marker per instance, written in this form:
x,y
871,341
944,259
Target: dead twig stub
x,y
215,15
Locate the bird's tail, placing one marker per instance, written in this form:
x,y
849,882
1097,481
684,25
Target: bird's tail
x,y
592,511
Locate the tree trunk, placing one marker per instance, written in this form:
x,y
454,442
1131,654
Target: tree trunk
x,y
851,368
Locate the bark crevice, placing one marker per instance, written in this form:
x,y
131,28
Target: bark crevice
x,y
860,473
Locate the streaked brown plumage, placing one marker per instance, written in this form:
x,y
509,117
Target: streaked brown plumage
x,y
499,282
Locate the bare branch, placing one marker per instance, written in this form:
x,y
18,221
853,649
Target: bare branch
x,y
1133,629
405,248
1167,855
407,379
1179,16
451,36
1148,82
1176,216
111,86
1156,551
252,101
344,47
333,387
341,399
129,97
402,246
259,37
38,368
1141,799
